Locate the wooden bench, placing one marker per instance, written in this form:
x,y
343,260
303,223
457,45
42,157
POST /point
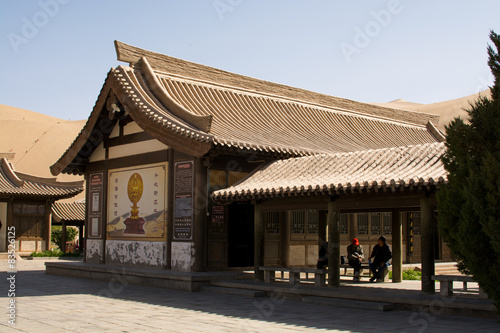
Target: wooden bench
x,y
363,267
294,274
446,284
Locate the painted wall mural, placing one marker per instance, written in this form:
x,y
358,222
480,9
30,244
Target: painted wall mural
x,y
137,203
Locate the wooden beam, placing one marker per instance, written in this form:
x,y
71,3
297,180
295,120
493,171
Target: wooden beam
x,y
379,201
349,203
298,203
333,245
258,242
427,244
397,247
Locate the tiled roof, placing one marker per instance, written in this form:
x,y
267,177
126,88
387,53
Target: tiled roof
x,y
68,211
195,108
16,184
390,169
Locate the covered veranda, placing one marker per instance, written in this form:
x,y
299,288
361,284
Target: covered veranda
x,y
384,180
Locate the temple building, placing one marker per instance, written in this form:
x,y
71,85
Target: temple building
x,y
190,168
25,204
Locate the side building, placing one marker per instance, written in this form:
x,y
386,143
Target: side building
x,y
25,204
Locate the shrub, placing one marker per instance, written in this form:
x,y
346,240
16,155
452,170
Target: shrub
x,y
409,274
54,253
56,236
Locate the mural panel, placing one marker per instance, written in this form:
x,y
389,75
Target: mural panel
x,y
137,203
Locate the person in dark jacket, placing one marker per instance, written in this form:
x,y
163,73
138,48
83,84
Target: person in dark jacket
x,y
380,259
323,256
355,257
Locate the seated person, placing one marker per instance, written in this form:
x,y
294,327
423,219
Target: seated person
x,y
380,259
355,257
323,256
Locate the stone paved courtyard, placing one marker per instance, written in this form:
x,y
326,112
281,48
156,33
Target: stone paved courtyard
x,y
46,303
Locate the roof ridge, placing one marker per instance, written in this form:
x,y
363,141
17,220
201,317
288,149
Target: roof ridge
x,y
48,181
8,170
172,65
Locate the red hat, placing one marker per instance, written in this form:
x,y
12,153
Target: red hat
x,y
355,241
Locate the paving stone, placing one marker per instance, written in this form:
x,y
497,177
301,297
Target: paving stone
x,y
48,303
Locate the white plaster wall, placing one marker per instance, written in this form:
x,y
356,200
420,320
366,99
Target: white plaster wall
x,y
132,128
135,148
182,256
312,255
136,253
94,250
99,154
28,246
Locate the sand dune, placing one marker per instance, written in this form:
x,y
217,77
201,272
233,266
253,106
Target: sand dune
x,y
37,140
448,110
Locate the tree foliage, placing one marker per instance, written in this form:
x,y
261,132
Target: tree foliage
x,y
56,236
469,205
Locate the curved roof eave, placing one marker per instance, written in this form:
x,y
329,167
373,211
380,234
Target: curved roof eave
x,y
159,124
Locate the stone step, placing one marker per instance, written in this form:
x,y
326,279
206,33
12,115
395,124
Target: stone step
x,y
5,256
348,303
234,291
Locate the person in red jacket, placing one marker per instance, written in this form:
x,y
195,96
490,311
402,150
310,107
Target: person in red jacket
x,y
355,257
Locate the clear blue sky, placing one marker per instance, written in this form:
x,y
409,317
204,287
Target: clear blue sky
x,y
54,59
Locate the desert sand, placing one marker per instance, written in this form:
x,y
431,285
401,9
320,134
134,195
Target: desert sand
x,y
448,110
37,141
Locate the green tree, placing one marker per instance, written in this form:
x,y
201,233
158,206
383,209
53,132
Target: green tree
x,y
56,236
469,205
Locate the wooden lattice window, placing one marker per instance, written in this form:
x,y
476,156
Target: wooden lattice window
x,y
344,223
363,225
28,219
375,224
312,222
298,222
387,222
272,220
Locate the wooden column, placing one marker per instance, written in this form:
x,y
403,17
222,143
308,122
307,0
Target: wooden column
x,y
397,247
170,206
63,236
81,244
333,245
322,227
258,241
427,239
353,229
48,224
200,206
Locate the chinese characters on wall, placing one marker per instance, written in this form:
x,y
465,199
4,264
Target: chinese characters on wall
x,y
183,201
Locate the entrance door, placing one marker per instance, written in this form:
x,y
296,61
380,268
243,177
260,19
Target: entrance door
x,y
240,234
3,226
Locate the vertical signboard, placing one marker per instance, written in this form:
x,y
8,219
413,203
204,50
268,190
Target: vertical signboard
x,y
183,200
94,223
